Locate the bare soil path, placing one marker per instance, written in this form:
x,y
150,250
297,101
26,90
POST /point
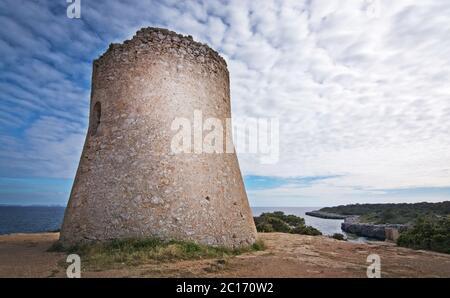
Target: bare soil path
x,y
287,255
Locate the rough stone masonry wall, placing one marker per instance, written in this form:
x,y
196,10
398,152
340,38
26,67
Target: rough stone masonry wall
x,y
128,183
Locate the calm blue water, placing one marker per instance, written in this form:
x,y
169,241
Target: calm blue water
x,y
326,226
34,219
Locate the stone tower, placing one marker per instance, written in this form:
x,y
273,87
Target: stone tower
x,y
129,184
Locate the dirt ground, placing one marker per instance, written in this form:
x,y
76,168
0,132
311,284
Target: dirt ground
x,y
286,255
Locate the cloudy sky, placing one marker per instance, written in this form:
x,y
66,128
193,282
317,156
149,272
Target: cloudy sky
x,y
361,90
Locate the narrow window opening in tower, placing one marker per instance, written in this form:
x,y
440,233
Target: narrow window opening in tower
x,y
97,113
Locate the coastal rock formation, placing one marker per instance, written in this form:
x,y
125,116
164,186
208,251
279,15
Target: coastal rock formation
x,y
129,183
326,215
353,225
381,232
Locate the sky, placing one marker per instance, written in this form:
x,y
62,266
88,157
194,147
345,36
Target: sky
x,y
361,90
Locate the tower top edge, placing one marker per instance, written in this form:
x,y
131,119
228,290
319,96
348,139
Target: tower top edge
x,y
163,37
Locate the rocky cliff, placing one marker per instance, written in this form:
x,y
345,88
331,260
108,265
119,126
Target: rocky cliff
x,y
352,225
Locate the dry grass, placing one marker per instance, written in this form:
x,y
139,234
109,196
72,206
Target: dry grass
x,y
132,252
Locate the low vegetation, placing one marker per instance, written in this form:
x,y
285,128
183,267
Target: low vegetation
x,y
429,222
132,252
338,236
391,213
279,222
431,233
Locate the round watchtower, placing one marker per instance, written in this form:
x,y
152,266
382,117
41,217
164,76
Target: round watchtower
x,y
129,183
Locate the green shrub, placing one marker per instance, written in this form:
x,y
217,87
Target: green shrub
x,y
273,224
264,227
306,230
279,222
338,236
390,213
432,233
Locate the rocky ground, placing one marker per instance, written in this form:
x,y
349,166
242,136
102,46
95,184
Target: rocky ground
x,y
287,255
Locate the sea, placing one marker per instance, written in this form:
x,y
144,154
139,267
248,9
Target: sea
x,y
30,219
35,219
326,226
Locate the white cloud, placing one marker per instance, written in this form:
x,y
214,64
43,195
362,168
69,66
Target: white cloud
x,y
356,101
360,87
